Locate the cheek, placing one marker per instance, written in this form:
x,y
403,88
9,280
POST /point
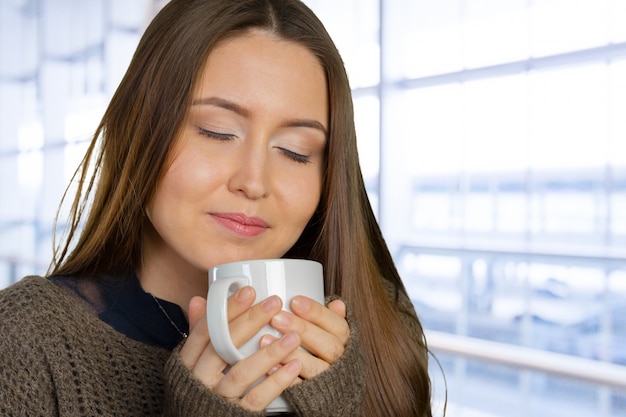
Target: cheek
x,y
184,181
306,197
173,187
187,176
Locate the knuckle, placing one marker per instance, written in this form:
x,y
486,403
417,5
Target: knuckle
x,y
236,375
345,335
336,353
211,381
343,331
253,401
317,368
301,326
211,384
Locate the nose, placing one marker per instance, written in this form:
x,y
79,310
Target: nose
x,y
251,174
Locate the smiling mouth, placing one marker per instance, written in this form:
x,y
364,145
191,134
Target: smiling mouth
x,y
240,224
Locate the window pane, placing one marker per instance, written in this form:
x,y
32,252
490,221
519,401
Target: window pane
x,y
353,25
494,32
558,26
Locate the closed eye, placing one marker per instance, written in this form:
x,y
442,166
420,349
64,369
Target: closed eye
x,y
294,156
302,159
216,135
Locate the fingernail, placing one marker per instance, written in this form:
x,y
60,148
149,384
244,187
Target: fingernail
x,y
281,319
274,369
301,304
266,340
271,303
294,367
244,294
289,340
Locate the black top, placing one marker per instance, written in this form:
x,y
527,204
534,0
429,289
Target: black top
x,y
125,306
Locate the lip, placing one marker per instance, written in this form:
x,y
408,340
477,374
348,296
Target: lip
x,y
241,224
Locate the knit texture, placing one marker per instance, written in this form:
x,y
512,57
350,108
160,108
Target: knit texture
x,y
58,359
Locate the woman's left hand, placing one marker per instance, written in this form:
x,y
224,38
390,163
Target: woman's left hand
x,y
323,330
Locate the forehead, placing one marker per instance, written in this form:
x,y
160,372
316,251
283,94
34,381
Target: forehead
x,y
260,69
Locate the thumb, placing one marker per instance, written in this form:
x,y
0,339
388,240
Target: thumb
x,y
197,310
339,307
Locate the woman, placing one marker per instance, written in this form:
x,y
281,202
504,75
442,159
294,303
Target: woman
x,y
230,137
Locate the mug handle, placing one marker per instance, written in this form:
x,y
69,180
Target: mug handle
x,y
217,318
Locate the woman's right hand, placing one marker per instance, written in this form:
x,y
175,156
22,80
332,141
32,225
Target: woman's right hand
x,y
245,321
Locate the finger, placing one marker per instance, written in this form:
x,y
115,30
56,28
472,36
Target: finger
x,y
311,365
257,398
324,332
197,354
209,366
240,301
197,309
247,371
325,318
246,325
338,307
315,339
198,337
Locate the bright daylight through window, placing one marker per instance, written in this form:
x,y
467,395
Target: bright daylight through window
x,y
492,138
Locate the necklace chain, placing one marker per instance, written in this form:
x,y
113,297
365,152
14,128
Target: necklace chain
x,y
183,334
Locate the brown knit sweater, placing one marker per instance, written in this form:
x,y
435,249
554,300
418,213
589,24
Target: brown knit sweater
x,y
57,358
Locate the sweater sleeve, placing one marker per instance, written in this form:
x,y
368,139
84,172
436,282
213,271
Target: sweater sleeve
x,y
340,390
185,395
26,386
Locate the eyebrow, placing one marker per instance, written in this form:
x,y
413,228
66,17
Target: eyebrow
x,y
241,111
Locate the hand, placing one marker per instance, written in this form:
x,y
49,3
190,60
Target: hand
x,y
324,333
244,321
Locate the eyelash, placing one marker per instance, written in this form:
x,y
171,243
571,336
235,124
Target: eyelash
x,y
294,156
215,135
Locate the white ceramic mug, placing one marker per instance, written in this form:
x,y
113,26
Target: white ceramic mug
x,y
285,278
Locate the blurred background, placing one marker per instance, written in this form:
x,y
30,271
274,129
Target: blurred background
x,y
492,136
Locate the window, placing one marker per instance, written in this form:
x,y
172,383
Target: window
x,y
492,140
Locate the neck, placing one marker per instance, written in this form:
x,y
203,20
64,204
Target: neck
x,y
167,276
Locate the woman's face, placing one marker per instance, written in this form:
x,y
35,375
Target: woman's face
x,y
245,175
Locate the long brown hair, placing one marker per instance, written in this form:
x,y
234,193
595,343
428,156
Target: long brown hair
x,y
126,158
